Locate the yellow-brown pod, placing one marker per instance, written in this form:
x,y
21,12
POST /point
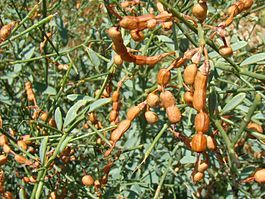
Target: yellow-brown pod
x,y
3,159
240,5
115,34
233,10
188,97
199,10
133,112
202,122
198,176
152,100
116,106
173,114
123,126
200,81
203,166
247,4
226,51
113,115
167,99
190,74
163,76
255,127
199,99
115,96
259,176
211,143
120,49
137,35
199,143
129,22
151,117
118,60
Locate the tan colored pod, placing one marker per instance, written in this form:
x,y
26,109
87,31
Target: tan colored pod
x,y
151,117
190,74
87,180
133,112
188,97
163,76
173,114
199,10
3,140
200,81
92,118
198,176
52,123
114,34
167,25
247,4
137,35
113,115
199,143
199,99
116,106
255,127
211,144
3,159
259,176
203,166
152,100
26,138
44,116
118,60
6,149
167,99
115,96
202,122
226,51
122,127
22,144
151,24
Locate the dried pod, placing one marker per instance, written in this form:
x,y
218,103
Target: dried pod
x,y
3,159
116,106
211,144
199,143
96,183
151,24
122,127
173,114
198,177
6,30
22,144
137,35
190,74
20,159
188,97
115,96
247,4
199,10
32,179
151,117
167,25
199,99
26,179
30,95
167,99
163,76
118,60
255,127
226,51
44,116
240,5
113,115
202,122
259,176
26,138
7,195
133,112
3,140
152,100
200,81
6,149
203,166
92,118
233,10
52,123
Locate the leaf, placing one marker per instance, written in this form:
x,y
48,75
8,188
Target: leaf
x,y
101,102
73,111
234,102
58,118
167,41
212,102
27,52
43,148
50,91
93,57
74,97
65,143
238,45
253,59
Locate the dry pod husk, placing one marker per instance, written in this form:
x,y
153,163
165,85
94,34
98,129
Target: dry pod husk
x,y
199,99
167,25
259,176
21,159
151,117
26,138
247,4
116,106
122,127
137,35
118,60
173,114
44,116
200,81
211,144
226,51
87,180
202,122
199,10
113,115
190,74
152,100
3,140
92,118
163,76
151,24
115,96
199,143
202,167
3,159
133,112
167,99
188,97
255,127
22,144
6,149
198,176
52,123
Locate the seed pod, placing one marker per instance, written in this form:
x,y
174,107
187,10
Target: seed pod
x,y
226,51
116,106
202,167
113,115
7,195
211,144
167,99
118,60
26,179
240,5
20,159
151,24
22,144
173,114
188,97
52,123
202,122
247,4
200,81
259,176
163,77
199,99
44,116
92,118
32,179
255,127
152,100
26,138
122,127
198,177
3,140
199,10
199,143
151,117
6,30
167,25
3,159
190,73
115,96
133,112
96,183
6,149
137,35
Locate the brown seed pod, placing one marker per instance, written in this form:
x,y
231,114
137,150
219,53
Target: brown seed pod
x,y
44,116
226,51
3,140
152,100
188,97
6,149
247,4
6,30
173,114
30,95
137,35
200,81
22,144
167,99
151,24
255,127
97,183
26,138
163,77
233,10
198,177
133,112
190,74
259,176
199,143
240,5
92,118
118,60
202,122
113,115
199,10
7,195
3,159
167,25
115,96
151,117
122,127
116,106
52,123
199,99
32,179
203,166
26,179
211,144
20,159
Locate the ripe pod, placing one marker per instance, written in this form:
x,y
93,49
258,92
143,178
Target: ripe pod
x,y
26,138
114,34
188,97
255,127
113,115
247,4
44,116
226,51
199,99
211,144
163,76
199,10
3,159
20,159
167,25
202,167
52,123
116,106
133,112
152,100
200,81
199,143
118,60
137,35
92,118
3,140
151,24
151,117
198,177
7,195
22,144
6,149
190,74
259,176
240,5
122,127
173,114
202,122
167,99
115,96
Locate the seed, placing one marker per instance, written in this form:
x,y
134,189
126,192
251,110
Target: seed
x,y
226,51
167,99
173,114
190,74
202,122
3,159
3,140
22,144
151,117
115,96
122,127
198,177
211,143
188,97
151,24
259,176
133,112
44,116
199,10
137,35
163,76
203,167
152,100
199,143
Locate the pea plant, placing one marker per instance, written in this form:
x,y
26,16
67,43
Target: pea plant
x,y
132,99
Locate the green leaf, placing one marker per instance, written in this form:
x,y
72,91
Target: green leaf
x,y
238,45
101,102
212,102
74,97
43,148
58,118
65,143
253,59
234,102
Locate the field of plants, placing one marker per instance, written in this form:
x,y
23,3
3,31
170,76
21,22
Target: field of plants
x,y
132,99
